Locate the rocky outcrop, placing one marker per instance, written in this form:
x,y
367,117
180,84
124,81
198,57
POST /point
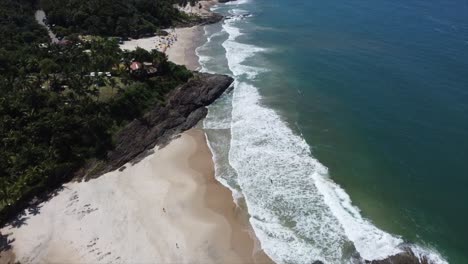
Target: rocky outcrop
x,y
211,19
200,21
206,19
185,106
406,257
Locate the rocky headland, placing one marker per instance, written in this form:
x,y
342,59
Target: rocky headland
x,y
185,107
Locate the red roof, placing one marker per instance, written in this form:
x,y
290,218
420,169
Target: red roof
x,y
135,66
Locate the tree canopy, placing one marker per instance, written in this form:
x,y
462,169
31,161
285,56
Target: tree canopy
x,y
60,105
130,18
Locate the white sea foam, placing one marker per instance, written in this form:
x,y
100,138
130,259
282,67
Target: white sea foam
x,y
272,166
236,195
239,52
215,35
299,214
202,60
371,242
429,254
238,2
219,114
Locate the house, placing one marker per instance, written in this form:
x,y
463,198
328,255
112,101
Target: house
x,y
150,68
94,74
136,66
143,69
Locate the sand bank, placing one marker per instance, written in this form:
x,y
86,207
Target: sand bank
x,y
168,208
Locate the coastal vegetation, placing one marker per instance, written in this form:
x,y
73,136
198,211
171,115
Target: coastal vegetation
x,y
62,103
128,18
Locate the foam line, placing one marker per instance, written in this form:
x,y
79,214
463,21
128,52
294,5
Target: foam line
x,y
298,213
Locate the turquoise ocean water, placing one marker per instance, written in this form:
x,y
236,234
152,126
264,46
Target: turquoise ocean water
x,y
347,127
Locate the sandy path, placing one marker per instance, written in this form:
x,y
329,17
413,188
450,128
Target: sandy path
x,y
40,16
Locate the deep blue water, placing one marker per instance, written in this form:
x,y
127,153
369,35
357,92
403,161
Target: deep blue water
x,y
379,89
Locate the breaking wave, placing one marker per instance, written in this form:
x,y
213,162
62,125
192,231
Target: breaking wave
x,y
298,213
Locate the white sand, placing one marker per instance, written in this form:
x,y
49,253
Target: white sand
x,y
188,39
183,50
168,208
181,43
151,43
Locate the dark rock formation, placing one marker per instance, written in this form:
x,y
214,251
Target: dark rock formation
x,y
212,18
200,20
184,108
406,257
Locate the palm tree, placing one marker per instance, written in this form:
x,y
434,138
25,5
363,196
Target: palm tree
x,y
112,84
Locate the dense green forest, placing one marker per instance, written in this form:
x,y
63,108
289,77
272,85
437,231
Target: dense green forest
x,y
61,104
125,18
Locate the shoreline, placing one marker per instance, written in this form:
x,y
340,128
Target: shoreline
x,y
183,52
189,39
221,201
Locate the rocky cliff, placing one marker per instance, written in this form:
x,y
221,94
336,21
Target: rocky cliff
x,y
185,106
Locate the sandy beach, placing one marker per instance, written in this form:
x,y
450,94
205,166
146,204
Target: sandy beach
x,y
168,208
180,43
183,51
188,39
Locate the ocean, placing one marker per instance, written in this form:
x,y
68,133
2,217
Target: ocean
x,y
346,131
